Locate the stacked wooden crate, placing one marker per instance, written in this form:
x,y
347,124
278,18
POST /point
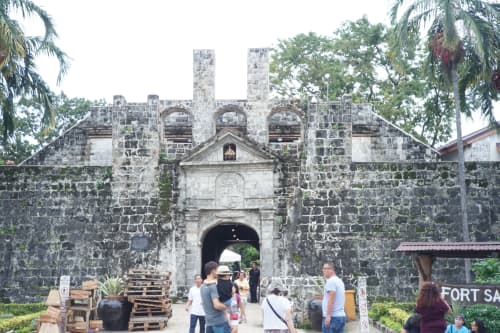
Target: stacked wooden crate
x,y
50,321
148,291
82,308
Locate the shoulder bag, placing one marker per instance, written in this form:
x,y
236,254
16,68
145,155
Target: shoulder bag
x,y
276,313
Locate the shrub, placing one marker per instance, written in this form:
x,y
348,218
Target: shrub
x,y
18,322
489,314
391,314
21,309
378,310
387,321
487,271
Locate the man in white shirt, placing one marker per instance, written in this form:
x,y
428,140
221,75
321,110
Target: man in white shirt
x,y
277,311
194,302
333,301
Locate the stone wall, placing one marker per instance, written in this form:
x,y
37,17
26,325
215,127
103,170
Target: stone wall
x,y
136,181
74,146
377,140
55,221
358,213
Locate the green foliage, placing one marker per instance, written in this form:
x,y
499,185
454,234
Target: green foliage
x,y
391,314
26,329
31,134
21,309
112,286
378,310
394,314
389,322
456,309
18,322
489,314
19,75
248,254
365,60
487,271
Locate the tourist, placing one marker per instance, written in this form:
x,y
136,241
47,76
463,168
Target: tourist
x,y
459,326
477,326
433,308
254,282
215,311
236,310
333,301
243,288
277,311
412,324
194,304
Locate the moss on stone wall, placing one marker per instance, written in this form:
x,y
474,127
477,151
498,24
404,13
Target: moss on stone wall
x,y
165,186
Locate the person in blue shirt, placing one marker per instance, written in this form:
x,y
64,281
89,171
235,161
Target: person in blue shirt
x,y
459,326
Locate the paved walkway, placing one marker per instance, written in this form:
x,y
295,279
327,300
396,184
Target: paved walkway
x,y
179,323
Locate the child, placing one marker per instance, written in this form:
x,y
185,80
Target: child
x,y
459,326
236,310
224,285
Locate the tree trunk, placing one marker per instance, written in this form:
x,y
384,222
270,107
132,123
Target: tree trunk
x,y
461,168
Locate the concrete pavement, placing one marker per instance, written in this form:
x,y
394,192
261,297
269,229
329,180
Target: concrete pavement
x,y
179,323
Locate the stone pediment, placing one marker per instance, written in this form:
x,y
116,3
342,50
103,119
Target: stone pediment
x,y
212,151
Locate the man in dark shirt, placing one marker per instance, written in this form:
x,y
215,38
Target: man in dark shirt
x,y
254,282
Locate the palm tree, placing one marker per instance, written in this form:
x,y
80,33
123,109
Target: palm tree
x,y
464,38
18,72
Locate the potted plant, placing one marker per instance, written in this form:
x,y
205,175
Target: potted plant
x,y
114,309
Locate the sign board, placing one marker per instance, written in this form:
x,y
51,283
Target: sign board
x,y
64,283
364,323
471,293
140,243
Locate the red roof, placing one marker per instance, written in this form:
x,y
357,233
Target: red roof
x,y
470,138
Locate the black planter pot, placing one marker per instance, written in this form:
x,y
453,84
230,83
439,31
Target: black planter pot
x,y
315,314
114,313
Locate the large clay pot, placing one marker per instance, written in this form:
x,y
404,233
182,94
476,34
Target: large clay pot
x,y
315,314
114,311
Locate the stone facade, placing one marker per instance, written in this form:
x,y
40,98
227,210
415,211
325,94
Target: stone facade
x,y
170,183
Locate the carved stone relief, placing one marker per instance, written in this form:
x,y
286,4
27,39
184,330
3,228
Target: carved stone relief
x,y
229,190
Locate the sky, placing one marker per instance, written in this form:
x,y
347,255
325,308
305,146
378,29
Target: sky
x,y
138,48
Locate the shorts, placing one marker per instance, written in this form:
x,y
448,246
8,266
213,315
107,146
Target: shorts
x,y
234,319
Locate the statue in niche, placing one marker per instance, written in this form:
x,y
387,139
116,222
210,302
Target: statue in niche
x,y
229,190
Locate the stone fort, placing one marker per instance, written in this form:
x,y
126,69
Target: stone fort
x,y
169,184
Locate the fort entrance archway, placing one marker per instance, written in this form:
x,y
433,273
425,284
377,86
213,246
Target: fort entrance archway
x,y
223,235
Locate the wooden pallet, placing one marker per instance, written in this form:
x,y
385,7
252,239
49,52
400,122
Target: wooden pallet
x,y
148,283
146,294
150,307
147,274
146,326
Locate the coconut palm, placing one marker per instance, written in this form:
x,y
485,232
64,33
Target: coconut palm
x,y
18,72
464,38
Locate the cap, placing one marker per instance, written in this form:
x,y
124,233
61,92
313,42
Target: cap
x,y
223,270
460,315
275,285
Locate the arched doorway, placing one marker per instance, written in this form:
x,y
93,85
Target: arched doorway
x,y
223,235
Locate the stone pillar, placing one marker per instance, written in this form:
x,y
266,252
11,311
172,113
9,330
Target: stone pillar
x,y
258,75
135,185
192,247
258,93
203,95
268,252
